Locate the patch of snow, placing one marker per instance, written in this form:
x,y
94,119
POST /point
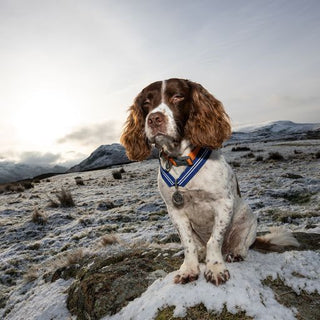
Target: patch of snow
x,y
244,290
46,301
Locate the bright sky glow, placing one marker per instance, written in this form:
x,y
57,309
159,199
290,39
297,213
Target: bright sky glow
x,y
70,69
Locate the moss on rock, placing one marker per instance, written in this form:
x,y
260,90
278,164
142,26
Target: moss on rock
x,y
307,305
106,285
200,312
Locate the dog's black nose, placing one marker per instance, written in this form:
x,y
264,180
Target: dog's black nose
x,y
155,119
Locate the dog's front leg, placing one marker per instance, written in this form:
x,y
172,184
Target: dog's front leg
x,y
216,271
189,270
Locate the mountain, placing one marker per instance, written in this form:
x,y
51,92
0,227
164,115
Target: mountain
x,y
277,130
12,171
104,156
109,155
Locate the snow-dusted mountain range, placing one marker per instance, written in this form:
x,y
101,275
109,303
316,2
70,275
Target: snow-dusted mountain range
x,y
276,130
109,155
11,171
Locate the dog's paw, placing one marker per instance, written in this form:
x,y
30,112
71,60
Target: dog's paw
x,y
216,274
186,275
230,257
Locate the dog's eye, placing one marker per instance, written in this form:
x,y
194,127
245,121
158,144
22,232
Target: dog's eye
x,y
177,98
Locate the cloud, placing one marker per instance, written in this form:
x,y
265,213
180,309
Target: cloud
x,y
95,134
38,158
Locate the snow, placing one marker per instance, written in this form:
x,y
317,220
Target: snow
x,y
47,301
244,290
24,244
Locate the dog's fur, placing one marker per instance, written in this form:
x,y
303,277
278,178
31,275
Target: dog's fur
x,y
215,223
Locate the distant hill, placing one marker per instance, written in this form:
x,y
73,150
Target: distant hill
x,y
104,156
109,155
11,171
277,130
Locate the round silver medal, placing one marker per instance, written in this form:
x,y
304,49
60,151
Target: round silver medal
x,y
177,199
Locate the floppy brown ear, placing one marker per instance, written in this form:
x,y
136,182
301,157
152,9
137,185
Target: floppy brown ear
x,y
133,136
208,124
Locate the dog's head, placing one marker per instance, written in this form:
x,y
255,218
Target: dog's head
x,y
170,111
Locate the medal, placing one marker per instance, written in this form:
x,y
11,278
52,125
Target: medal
x,y
177,197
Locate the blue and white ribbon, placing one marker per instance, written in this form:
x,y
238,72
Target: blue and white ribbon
x,y
189,172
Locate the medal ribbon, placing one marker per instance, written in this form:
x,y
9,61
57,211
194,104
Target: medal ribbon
x,y
189,172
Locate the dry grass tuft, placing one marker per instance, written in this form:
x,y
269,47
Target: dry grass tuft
x,y
109,239
65,200
74,257
39,217
32,274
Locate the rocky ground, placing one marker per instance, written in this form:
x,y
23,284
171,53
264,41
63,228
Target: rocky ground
x,y
96,255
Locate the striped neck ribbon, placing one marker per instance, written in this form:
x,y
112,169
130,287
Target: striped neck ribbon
x,y
189,172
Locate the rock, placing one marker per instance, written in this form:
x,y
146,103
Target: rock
x,y
290,175
105,285
105,205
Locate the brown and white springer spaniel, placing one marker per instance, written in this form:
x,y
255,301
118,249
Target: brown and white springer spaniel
x,y
178,117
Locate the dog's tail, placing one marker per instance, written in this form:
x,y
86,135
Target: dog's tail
x,y
276,240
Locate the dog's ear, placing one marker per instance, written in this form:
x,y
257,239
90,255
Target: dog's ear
x,y
208,124
133,136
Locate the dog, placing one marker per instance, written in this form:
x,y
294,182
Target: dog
x,y
188,126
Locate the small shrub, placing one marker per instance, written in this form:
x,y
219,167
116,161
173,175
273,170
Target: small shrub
x,y
117,174
259,158
18,188
39,217
122,170
27,184
275,156
318,155
79,181
14,187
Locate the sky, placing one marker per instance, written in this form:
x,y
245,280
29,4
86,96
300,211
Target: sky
x,y
69,69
